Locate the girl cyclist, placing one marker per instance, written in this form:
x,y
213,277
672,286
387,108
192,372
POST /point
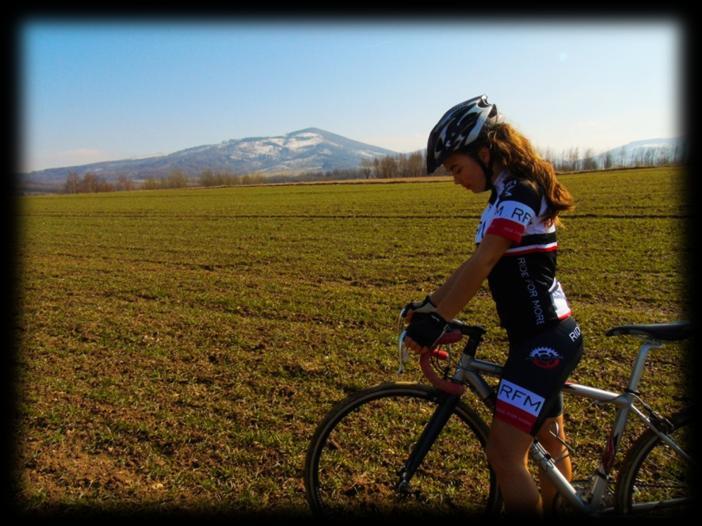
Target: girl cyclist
x,y
516,252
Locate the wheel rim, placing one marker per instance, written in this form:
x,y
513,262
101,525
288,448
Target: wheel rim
x,y
360,460
661,485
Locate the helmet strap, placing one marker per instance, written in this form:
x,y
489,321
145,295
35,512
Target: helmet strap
x,y
487,171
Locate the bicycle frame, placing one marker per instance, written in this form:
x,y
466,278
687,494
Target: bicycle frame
x,y
468,371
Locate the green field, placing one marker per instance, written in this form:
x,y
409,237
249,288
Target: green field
x,y
178,347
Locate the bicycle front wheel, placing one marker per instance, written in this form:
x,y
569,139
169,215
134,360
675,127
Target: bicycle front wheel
x,y
358,451
655,479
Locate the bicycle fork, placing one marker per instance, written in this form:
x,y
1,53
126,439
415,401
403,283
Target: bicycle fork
x,y
431,430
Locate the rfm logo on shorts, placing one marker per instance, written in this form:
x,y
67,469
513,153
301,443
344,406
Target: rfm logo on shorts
x,y
545,357
520,397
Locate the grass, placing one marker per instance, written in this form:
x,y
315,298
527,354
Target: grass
x,y
178,347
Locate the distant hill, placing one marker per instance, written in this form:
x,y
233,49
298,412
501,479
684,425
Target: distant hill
x,y
645,152
308,150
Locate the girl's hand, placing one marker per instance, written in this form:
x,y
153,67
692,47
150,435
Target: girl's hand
x,y
425,306
425,329
414,346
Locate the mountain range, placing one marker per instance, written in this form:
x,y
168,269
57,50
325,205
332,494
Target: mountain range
x,y
308,150
650,151
301,151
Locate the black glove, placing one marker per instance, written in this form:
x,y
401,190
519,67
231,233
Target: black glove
x,y
426,328
419,306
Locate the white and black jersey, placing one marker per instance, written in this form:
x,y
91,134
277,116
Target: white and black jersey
x,y
523,282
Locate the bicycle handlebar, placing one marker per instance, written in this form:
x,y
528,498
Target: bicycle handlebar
x,y
447,386
456,331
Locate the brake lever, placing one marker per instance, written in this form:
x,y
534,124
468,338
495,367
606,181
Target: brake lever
x,y
402,350
404,355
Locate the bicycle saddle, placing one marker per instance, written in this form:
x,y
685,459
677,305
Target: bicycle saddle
x,y
658,331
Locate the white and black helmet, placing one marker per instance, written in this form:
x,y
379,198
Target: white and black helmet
x,y
458,128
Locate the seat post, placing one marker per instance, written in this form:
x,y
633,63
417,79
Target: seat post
x,y
640,362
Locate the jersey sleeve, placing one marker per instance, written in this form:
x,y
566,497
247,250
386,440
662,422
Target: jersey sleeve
x,y
516,207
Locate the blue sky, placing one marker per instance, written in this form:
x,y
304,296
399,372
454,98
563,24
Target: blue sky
x,y
95,90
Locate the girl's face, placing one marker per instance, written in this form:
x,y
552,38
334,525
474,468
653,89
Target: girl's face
x,y
466,172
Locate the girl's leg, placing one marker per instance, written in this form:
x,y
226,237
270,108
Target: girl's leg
x,y
558,451
507,452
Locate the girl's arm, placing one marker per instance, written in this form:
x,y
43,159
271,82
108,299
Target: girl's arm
x,y
440,293
464,283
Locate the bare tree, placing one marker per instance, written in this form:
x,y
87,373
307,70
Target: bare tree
x,y
89,183
71,186
366,168
104,186
388,168
589,162
176,179
574,157
151,183
548,155
416,166
124,183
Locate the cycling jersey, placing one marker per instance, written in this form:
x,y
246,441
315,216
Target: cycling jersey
x,y
523,283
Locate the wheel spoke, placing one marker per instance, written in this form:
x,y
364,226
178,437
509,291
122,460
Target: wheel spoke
x,y
360,462
657,479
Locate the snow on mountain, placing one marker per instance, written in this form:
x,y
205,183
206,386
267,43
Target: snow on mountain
x,y
307,150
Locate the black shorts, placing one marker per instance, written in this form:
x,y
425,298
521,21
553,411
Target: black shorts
x,y
535,371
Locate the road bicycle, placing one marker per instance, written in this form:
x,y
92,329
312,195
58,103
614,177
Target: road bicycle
x,y
405,448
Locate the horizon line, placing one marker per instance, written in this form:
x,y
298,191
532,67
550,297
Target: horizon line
x,y
539,148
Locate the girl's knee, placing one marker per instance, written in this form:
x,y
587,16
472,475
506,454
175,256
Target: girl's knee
x,y
504,465
506,451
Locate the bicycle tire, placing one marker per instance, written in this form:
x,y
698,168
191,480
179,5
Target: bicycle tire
x,y
358,449
652,472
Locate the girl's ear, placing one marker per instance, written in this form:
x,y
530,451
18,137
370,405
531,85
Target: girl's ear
x,y
484,154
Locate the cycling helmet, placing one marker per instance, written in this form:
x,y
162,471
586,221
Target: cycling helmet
x,y
458,128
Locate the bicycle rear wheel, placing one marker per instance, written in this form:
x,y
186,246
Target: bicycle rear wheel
x,y
656,480
356,455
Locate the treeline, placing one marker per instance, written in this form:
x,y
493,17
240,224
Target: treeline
x,y
392,166
389,167
409,165
572,160
226,178
92,182
401,165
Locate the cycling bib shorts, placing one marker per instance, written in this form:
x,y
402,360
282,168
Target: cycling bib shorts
x,y
535,371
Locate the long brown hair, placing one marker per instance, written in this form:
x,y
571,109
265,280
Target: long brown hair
x,y
523,161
